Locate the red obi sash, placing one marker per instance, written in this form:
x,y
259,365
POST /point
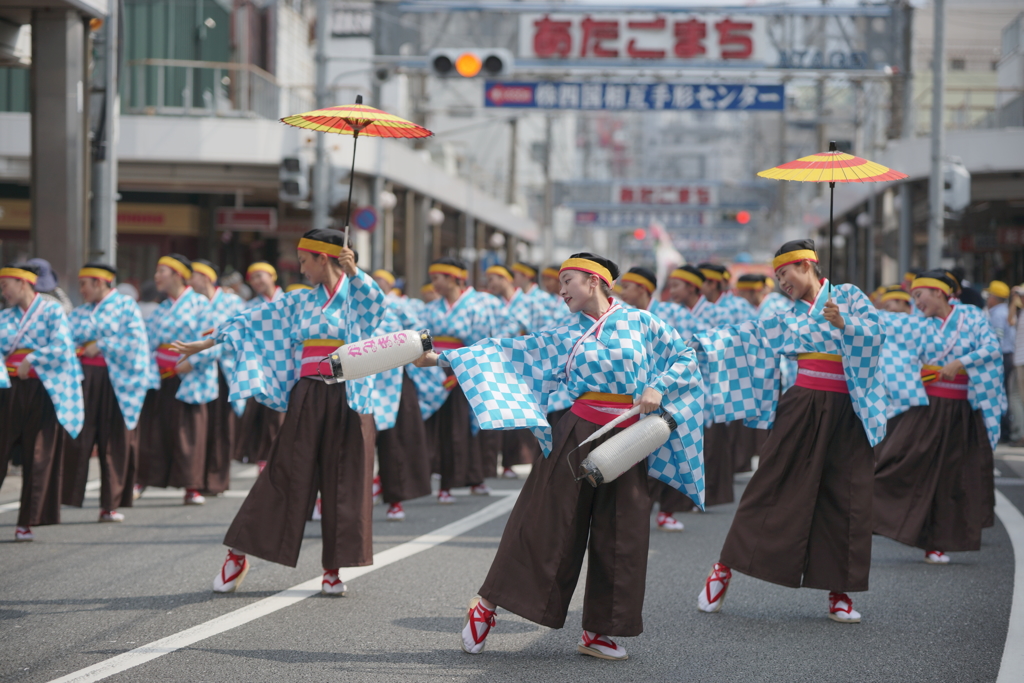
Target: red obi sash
x,y
314,351
96,361
447,343
166,360
603,408
940,388
14,360
450,382
822,372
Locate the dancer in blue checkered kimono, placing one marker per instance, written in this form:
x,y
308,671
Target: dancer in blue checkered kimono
x,y
403,450
805,516
755,289
734,442
518,313
686,286
638,287
258,428
280,347
223,415
611,357
117,371
461,316
40,395
934,488
175,417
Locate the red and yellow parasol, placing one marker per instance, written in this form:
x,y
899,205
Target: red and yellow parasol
x,y
355,120
832,167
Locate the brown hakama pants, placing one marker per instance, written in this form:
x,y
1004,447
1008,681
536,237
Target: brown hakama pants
x,y
257,431
489,444
519,447
30,420
116,446
669,499
320,448
718,464
929,491
172,439
457,449
746,443
220,439
403,452
556,520
805,517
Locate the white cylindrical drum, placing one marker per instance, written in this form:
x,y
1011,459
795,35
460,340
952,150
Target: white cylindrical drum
x,y
616,455
370,356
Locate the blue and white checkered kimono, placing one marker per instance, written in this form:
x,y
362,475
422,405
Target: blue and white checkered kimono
x,y
899,366
224,306
268,339
44,329
184,320
773,304
743,377
387,386
507,382
678,318
730,310
967,336
116,325
260,299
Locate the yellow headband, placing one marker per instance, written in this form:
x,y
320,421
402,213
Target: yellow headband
x,y
445,269
793,257
931,283
526,270
98,273
636,278
710,274
384,275
206,270
499,270
175,265
318,247
908,276
687,276
588,266
751,284
896,295
261,267
26,275
296,287
427,288
550,272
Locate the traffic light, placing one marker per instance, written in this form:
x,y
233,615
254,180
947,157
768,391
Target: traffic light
x,y
451,62
293,177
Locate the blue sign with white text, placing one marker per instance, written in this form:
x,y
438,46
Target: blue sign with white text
x,y
634,96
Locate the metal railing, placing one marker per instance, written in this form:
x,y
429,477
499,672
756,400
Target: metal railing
x,y
974,107
181,87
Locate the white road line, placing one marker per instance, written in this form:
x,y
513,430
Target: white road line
x,y
1013,650
286,598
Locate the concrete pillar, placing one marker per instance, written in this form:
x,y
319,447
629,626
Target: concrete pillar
x,y
59,142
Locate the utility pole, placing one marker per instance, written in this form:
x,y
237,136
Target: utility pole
x,y
321,171
510,191
548,235
103,236
936,183
906,226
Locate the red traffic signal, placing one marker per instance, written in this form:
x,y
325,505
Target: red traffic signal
x,y
639,234
743,217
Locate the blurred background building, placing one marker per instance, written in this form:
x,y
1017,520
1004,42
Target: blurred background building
x,y
528,160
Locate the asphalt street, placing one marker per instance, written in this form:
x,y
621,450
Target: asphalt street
x,y
84,593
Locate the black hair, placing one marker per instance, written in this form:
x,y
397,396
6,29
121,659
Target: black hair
x,y
101,266
184,260
800,245
612,267
942,276
693,270
723,284
957,288
452,261
645,272
210,265
535,268
25,266
753,277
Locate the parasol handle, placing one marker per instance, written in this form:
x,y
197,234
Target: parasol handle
x,y
831,221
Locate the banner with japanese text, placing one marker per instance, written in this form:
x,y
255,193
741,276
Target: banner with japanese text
x,y
634,96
